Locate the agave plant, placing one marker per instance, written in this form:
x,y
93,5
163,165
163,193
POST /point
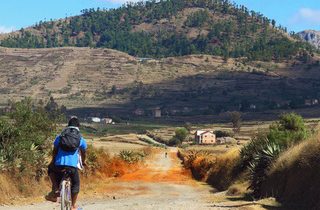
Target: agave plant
x,y
260,166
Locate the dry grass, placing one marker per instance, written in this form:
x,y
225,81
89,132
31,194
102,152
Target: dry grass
x,y
294,178
215,149
238,189
217,170
105,167
13,190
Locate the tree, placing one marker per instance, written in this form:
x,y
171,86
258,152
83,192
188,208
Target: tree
x,y
181,134
273,22
235,118
290,129
25,137
54,111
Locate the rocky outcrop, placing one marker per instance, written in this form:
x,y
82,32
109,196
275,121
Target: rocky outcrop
x,y
311,36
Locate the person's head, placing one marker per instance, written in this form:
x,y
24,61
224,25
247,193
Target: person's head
x,y
74,121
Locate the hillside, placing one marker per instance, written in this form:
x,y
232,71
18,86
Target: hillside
x,y
311,36
167,28
188,85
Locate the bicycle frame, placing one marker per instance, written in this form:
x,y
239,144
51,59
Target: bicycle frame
x,y
65,192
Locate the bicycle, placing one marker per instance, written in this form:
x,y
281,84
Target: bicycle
x,y
65,190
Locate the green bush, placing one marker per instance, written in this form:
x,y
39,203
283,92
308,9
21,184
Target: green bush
x,y
220,134
289,130
132,156
25,136
265,148
181,134
174,142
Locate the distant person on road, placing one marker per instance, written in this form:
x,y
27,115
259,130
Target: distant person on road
x,y
165,154
69,148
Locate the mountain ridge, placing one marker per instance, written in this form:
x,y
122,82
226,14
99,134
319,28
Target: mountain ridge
x,y
311,36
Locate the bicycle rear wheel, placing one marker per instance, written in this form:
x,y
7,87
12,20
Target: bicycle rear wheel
x,y
65,195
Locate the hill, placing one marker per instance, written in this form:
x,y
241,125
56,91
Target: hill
x,y
311,36
167,28
116,82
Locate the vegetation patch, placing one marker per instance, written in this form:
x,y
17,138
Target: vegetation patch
x,y
265,148
220,171
294,178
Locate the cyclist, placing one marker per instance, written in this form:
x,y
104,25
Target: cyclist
x,y
69,148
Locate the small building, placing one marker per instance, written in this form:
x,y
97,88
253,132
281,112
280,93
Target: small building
x,y
205,137
138,112
107,120
186,109
307,102
95,119
253,106
144,59
156,112
311,102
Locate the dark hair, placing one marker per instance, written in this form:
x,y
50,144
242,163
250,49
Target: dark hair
x,y
74,121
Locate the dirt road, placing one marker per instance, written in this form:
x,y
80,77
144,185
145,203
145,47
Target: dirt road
x,y
161,184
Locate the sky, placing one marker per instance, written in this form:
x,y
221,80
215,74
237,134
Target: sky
x,y
296,15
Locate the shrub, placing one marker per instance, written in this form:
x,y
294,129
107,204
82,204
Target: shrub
x,y
289,130
261,165
24,139
265,148
220,171
92,156
174,142
181,134
220,134
132,156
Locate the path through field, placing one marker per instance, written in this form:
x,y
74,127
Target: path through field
x,y
162,184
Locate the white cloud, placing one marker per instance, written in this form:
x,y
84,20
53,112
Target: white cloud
x,y
307,15
4,29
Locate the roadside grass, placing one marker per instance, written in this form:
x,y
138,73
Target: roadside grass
x,y
218,170
100,166
20,190
294,178
215,149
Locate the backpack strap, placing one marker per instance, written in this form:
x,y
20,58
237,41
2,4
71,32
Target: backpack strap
x,y
73,127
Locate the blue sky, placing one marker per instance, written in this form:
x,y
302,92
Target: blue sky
x,y
296,15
